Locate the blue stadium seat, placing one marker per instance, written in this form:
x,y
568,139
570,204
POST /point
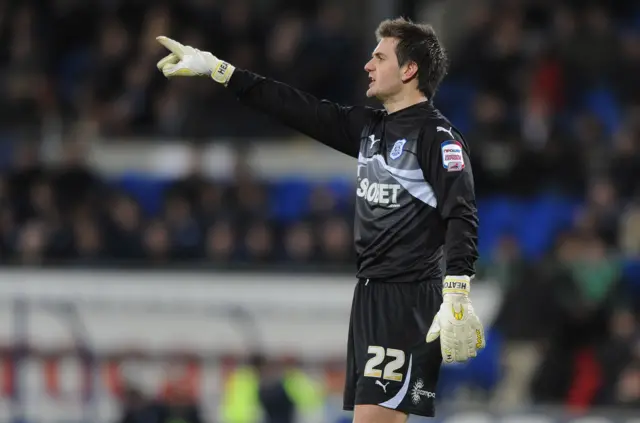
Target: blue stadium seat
x,y
343,189
541,220
147,190
534,222
630,286
455,98
290,198
498,216
631,274
603,104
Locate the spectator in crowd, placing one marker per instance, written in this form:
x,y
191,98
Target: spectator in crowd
x,y
617,357
279,391
136,407
630,230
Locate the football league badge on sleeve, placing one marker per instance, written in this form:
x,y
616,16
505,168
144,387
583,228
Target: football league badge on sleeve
x,y
452,158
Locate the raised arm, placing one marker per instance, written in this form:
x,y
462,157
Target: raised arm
x,y
336,126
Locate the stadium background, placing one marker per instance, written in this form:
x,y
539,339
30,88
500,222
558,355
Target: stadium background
x,y
157,237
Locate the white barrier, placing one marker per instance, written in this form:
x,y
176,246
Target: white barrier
x,y
291,314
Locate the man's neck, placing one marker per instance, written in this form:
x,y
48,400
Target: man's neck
x,y
402,101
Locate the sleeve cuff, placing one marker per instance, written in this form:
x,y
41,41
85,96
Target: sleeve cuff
x,y
241,80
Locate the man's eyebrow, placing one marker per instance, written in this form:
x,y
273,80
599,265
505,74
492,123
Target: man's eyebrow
x,y
379,55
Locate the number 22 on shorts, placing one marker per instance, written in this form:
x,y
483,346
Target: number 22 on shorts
x,y
379,354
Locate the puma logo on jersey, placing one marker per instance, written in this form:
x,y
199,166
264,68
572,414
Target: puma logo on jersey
x,y
448,131
384,386
377,193
373,139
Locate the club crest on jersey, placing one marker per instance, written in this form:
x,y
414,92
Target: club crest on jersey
x,y
452,158
396,151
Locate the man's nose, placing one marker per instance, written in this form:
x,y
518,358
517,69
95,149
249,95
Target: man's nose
x,y
368,66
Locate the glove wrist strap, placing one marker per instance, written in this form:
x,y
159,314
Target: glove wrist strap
x,y
456,285
222,72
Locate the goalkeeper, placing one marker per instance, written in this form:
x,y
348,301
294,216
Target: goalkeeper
x,y
415,205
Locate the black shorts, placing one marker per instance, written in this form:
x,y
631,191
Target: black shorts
x,y
389,362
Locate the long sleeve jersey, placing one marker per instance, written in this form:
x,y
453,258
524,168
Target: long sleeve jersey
x,y
415,199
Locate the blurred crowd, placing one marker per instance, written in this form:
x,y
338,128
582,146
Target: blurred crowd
x,y
69,215
95,60
568,326
546,91
548,95
554,105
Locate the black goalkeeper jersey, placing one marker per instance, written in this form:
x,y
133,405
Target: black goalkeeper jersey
x,y
415,200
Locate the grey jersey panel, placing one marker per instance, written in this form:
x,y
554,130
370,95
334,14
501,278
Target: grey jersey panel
x,y
391,178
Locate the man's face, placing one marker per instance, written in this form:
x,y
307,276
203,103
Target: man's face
x,y
385,76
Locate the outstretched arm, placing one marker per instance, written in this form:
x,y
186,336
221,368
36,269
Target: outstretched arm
x,y
336,126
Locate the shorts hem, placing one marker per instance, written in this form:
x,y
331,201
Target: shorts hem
x,y
410,411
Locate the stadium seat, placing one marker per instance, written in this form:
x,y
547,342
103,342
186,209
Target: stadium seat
x,y
343,189
631,278
290,198
455,98
147,190
603,104
498,216
631,271
550,214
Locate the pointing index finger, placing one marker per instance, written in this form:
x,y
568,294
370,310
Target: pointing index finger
x,y
171,45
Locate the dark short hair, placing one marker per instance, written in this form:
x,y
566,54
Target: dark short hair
x,y
418,43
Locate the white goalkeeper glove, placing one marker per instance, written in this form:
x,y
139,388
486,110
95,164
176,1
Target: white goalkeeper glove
x,y
189,61
460,331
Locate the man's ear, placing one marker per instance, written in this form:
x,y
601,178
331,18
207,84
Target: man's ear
x,y
409,71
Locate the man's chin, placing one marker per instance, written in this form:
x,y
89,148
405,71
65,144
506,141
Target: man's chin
x,y
371,93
